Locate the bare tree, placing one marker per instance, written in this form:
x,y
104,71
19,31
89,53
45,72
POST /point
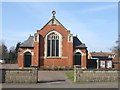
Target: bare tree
x,y
3,52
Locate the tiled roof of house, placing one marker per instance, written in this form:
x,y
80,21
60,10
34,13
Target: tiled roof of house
x,y
28,43
102,53
77,43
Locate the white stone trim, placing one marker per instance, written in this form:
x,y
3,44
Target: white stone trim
x,y
83,68
27,50
63,57
70,38
36,35
78,50
97,64
60,43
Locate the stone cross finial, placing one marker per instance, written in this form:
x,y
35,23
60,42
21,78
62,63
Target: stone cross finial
x,y
53,12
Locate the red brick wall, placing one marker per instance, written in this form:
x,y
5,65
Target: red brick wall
x,y
116,60
36,54
84,57
67,50
116,66
21,57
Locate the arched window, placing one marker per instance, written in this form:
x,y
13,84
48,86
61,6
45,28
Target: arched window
x,y
53,45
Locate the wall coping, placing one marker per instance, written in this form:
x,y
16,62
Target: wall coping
x,y
96,69
19,69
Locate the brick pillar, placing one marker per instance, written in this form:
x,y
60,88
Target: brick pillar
x,y
35,61
20,60
70,51
84,62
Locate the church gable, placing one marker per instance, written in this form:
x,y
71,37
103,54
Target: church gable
x,y
53,23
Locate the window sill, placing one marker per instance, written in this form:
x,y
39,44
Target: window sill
x,y
62,57
54,57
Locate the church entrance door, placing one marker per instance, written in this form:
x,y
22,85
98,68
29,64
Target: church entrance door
x,y
77,59
27,59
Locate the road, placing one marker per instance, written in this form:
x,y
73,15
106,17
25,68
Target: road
x,y
62,85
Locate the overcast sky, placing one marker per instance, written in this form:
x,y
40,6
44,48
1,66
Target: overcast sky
x,y
95,23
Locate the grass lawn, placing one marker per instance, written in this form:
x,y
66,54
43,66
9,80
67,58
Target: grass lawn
x,y
70,75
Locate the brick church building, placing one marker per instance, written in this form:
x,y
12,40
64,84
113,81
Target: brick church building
x,y
52,46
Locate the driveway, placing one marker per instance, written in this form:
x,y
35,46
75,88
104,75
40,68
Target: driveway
x,y
53,77
44,76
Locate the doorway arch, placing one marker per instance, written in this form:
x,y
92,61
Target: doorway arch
x,y
77,58
27,59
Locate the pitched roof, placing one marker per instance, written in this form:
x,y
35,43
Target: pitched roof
x,y
77,43
28,43
102,53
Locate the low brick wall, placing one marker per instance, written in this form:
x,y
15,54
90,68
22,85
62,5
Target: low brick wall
x,y
19,76
95,75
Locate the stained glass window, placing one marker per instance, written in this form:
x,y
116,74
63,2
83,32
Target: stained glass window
x,y
53,45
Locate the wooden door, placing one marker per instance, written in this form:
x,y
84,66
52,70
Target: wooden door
x,y
27,59
77,59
